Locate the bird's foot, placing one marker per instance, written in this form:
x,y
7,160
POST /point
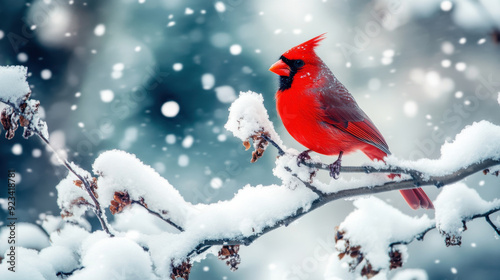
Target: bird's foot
x,y
302,157
335,167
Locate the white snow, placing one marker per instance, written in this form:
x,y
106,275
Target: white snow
x,y
248,117
385,223
225,94
115,258
13,84
188,142
136,219
447,48
46,74
410,108
107,95
71,237
27,235
456,203
22,57
460,66
17,149
68,193
235,49
216,183
170,109
249,212
170,139
177,66
498,98
51,223
474,143
31,267
124,172
100,29
36,153
118,67
183,160
207,81
220,6
446,5
61,258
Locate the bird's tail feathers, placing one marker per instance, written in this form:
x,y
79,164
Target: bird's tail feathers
x,y
415,198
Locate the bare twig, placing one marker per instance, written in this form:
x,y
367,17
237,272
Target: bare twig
x,y
497,230
96,207
158,215
421,235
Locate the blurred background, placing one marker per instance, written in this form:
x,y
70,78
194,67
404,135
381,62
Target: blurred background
x,y
155,78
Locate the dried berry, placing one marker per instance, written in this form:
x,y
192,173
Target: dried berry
x,y
78,183
230,254
453,240
120,201
368,271
181,271
396,259
247,145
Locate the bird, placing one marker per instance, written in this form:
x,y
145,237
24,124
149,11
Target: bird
x,y
321,114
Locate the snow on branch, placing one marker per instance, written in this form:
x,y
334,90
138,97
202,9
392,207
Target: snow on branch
x,y
180,233
390,230
15,92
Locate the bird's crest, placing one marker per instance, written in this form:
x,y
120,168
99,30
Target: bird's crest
x,y
307,45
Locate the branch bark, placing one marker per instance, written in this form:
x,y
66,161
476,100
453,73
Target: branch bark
x,y
323,198
422,234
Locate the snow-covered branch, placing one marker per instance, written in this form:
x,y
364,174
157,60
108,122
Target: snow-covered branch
x,y
391,230
174,233
15,92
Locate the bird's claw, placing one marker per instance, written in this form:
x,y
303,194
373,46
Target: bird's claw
x,y
302,157
335,167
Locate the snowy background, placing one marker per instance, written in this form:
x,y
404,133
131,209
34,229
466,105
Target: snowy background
x,y
155,78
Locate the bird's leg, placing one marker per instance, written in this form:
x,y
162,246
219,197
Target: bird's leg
x,y
335,167
303,157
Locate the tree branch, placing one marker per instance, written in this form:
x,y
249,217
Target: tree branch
x,y
324,198
420,236
158,215
96,206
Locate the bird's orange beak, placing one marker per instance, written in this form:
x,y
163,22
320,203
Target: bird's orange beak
x,y
280,68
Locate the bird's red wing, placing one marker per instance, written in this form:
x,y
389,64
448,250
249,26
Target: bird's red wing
x,y
341,111
367,132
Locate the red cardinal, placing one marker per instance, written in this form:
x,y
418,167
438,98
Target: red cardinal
x,y
321,114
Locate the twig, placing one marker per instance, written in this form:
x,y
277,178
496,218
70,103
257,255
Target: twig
x,y
158,215
97,207
349,169
421,235
66,274
497,230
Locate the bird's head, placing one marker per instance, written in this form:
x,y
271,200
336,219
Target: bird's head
x,y
299,61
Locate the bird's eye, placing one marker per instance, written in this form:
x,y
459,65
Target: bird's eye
x,y
299,63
